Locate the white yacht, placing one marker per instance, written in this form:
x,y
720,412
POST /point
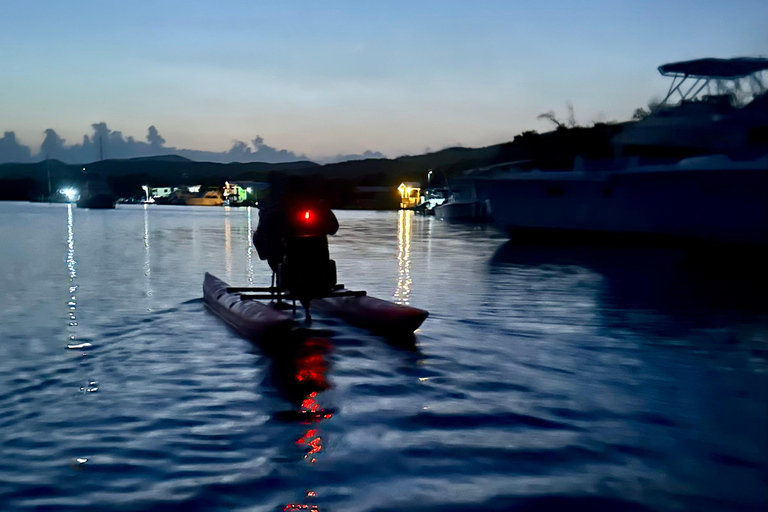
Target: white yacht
x,y
695,168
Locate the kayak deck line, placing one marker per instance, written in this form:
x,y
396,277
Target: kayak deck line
x,y
275,293
271,289
243,310
340,293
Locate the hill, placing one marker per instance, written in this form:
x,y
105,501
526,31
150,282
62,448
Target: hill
x,y
337,181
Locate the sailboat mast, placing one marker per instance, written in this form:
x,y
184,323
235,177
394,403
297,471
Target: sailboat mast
x,y
48,171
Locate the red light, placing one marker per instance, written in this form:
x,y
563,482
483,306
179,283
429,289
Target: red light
x,y
307,216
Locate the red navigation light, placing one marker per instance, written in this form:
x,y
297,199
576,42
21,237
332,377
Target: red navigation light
x,y
307,216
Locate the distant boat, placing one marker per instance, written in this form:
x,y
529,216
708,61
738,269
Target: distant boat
x,y
462,204
432,197
211,197
96,194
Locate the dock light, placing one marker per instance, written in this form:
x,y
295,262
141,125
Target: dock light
x,y
70,193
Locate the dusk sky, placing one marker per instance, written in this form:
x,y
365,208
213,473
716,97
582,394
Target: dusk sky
x,y
322,78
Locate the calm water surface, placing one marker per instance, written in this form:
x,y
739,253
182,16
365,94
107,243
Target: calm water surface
x,y
544,379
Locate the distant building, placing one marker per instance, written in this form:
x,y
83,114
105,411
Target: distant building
x,y
245,191
410,191
161,191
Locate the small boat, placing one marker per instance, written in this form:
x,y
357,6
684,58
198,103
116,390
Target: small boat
x,y
256,320
462,204
432,198
98,201
210,197
96,194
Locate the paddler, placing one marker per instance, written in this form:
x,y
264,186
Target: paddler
x,y
287,218
292,236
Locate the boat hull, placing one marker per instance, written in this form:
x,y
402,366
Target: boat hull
x,y
468,211
376,315
204,201
695,200
252,319
100,201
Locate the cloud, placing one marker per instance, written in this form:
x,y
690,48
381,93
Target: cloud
x,y
154,138
53,145
270,154
12,151
344,158
112,144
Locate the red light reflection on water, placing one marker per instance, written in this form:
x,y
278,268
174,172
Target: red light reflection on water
x,y
292,507
311,369
310,366
311,438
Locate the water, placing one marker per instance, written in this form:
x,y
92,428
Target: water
x,y
544,379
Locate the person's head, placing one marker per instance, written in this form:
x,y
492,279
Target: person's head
x,y
291,190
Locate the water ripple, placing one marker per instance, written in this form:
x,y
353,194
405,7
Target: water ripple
x,y
543,379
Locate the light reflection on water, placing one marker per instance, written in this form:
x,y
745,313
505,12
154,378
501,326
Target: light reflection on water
x,y
72,270
147,254
249,245
404,282
553,379
228,241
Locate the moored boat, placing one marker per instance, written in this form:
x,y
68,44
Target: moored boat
x,y
209,197
692,170
96,194
462,204
99,201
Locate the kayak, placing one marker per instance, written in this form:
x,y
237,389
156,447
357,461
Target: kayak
x,y
255,319
251,318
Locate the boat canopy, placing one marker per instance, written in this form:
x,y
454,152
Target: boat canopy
x,y
716,68
715,79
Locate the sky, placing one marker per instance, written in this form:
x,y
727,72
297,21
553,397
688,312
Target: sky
x,y
328,78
